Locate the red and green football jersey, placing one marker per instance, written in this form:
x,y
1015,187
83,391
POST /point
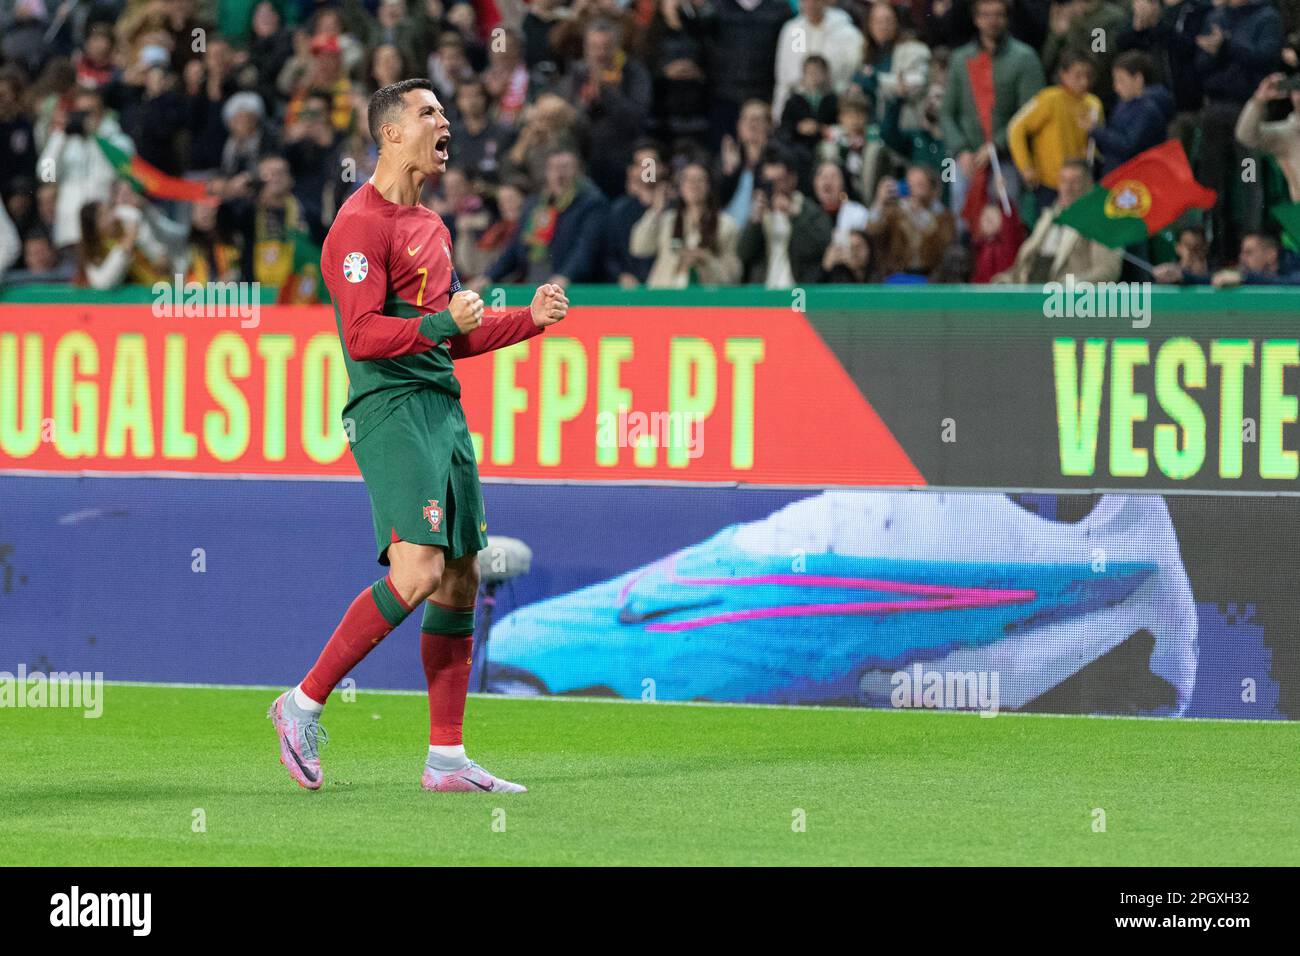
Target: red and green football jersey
x,y
389,271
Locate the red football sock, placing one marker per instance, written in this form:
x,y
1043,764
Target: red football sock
x,y
376,611
446,660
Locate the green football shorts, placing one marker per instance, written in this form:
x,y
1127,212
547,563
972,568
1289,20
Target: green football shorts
x,y
419,469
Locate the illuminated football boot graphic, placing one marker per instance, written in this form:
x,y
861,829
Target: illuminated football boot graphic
x,y
825,600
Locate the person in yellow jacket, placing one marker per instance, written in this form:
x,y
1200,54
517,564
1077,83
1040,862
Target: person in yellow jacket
x,y
1052,128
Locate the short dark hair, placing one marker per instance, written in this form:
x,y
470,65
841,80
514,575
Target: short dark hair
x,y
474,83
386,101
648,143
1137,63
1070,58
777,155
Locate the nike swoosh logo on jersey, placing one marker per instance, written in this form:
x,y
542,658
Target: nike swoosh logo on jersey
x,y
411,252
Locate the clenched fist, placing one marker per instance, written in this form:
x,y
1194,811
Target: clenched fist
x,y
467,310
550,304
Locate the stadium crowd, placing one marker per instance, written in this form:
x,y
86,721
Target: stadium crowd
x,y
650,142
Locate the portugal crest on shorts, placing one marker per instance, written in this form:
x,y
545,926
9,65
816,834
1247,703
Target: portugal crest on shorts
x,y
433,515
355,266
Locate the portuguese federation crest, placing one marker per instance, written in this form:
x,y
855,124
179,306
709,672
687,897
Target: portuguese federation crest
x,y
433,515
1128,197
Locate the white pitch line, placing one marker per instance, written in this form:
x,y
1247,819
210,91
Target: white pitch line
x,y
814,708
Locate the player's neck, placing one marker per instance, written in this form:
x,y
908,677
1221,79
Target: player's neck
x,y
396,183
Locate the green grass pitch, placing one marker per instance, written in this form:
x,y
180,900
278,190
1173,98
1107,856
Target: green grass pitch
x,y
638,784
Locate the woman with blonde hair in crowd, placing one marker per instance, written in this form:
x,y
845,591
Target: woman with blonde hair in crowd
x,y
693,242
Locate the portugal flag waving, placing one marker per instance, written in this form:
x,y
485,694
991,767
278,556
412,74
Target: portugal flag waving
x,y
150,180
1139,198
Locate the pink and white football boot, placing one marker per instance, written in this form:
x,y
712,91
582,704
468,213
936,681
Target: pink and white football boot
x,y
301,737
469,779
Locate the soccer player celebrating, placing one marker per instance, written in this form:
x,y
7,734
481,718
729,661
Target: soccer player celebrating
x,y
403,318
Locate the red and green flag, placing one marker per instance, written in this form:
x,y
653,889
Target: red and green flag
x,y
1139,198
305,285
149,180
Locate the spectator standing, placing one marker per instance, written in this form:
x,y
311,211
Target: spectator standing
x,y
823,28
246,141
786,234
1142,118
266,218
738,162
830,192
676,47
81,170
853,144
17,136
479,144
912,230
506,77
270,46
1090,28
643,173
1166,31
692,241
812,107
742,59
560,240
1240,44
1280,139
895,65
613,91
1053,126
551,123
1017,75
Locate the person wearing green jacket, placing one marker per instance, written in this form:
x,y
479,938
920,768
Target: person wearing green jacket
x,y
1017,76
1073,25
